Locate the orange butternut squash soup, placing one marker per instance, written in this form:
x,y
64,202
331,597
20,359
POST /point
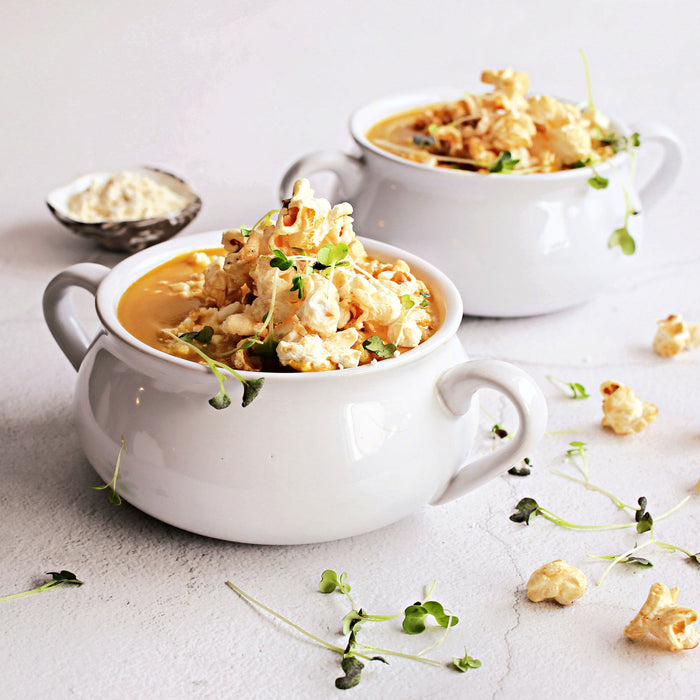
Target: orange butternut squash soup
x,y
298,293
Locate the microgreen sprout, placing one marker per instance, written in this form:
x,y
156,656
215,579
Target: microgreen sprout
x,y
414,616
629,555
621,236
264,220
465,663
598,182
58,578
330,581
281,261
377,346
527,508
421,140
577,390
643,519
505,163
297,285
523,470
251,387
587,73
355,651
633,561
500,432
112,485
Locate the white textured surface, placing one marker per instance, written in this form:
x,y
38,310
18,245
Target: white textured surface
x,y
228,94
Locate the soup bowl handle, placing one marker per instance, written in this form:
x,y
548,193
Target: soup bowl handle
x,y
668,166
59,310
347,168
457,388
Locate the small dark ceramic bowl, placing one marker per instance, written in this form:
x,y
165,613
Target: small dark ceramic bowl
x,y
128,236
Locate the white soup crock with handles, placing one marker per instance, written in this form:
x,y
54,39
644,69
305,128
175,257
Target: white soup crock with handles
x,y
316,456
513,244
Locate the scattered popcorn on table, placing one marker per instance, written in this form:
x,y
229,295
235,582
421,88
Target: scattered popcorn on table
x,y
668,622
674,335
623,411
557,581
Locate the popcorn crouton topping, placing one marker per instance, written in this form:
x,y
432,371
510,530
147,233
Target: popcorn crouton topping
x,y
272,302
662,618
623,411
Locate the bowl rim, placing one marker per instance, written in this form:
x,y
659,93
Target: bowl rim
x,y
61,212
387,105
135,266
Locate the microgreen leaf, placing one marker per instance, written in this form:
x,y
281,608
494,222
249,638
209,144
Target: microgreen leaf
x,y
297,285
352,668
330,254
330,581
525,510
637,561
245,231
266,348
635,140
598,182
505,163
280,260
622,237
406,301
352,621
376,345
577,390
421,140
644,520
523,470
695,557
202,336
499,432
221,400
465,663
414,616
251,388
577,448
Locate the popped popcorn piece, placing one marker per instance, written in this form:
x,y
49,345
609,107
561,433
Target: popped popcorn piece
x,y
311,353
623,411
674,335
557,581
668,622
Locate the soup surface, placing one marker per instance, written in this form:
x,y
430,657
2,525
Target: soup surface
x,y
500,131
163,297
299,293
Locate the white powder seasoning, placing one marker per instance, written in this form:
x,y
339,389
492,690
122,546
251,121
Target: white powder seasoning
x,y
125,196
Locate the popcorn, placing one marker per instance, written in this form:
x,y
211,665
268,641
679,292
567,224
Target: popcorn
x,y
623,411
674,335
557,581
668,622
277,294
